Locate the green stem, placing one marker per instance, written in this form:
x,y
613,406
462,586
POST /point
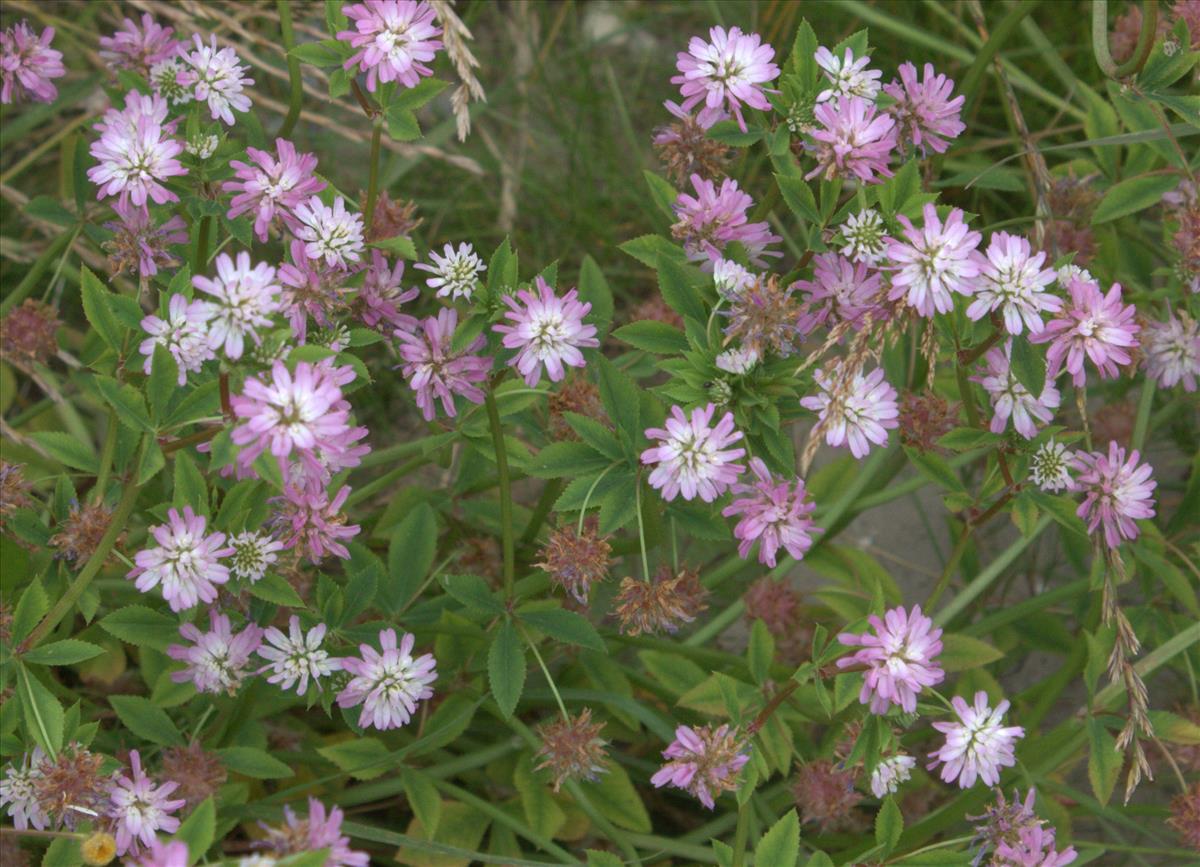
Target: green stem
x,y
200,262
974,78
588,496
1145,404
379,484
67,601
637,496
506,506
106,458
985,578
545,671
57,246
544,504
373,176
740,835
1141,51
295,84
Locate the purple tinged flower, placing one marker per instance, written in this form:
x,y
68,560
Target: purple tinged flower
x,y
19,793
135,154
1117,491
889,773
216,77
310,289
862,415
395,40
977,745
435,370
1092,325
388,685
712,219
774,513
272,186
310,521
137,240
382,296
841,287
847,75
138,47
546,331
1171,351
925,114
159,854
1013,281
703,761
140,808
934,261
455,272
186,561
297,656
901,659
330,233
245,298
184,333
1011,398
852,140
319,830
692,457
1035,846
739,361
726,73
216,661
27,63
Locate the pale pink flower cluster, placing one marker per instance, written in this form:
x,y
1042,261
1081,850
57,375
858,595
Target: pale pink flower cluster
x,y
1093,326
216,77
725,74
395,40
243,300
774,512
934,261
977,743
186,562
713,219
900,658
183,333
853,139
273,186
1013,281
703,761
216,661
135,153
1171,351
926,115
27,65
1117,492
547,331
1010,398
856,413
692,457
138,47
388,684
438,372
141,808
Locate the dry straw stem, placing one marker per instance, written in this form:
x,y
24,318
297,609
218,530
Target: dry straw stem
x,y
455,37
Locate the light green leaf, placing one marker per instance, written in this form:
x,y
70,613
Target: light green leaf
x,y
68,450
142,627
1132,195
1104,761
44,718
146,720
198,830
66,652
614,795
97,309
780,846
889,825
566,626
962,652
250,762
424,800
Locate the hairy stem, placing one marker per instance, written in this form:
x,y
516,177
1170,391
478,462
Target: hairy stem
x,y
201,261
373,176
506,506
295,85
106,458
1141,51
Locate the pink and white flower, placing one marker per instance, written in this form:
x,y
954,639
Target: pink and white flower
x,y
547,331
934,261
1092,325
1011,398
977,745
455,272
318,830
900,657
159,854
137,240
1034,846
889,773
244,299
253,552
330,233
310,289
1171,351
1013,281
395,40
775,513
217,77
856,413
184,333
273,186
1050,467
309,520
382,295
18,792
138,47
842,288
140,808
692,458
925,114
216,661
852,140
1117,492
703,761
864,236
186,563
435,371
847,75
297,656
135,154
726,73
388,685
27,65
707,222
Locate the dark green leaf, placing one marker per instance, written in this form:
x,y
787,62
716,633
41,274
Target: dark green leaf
x,y
198,830
780,846
1028,366
411,550
142,627
66,652
650,335
146,720
506,668
68,450
42,713
1132,195
96,307
563,625
255,763
474,593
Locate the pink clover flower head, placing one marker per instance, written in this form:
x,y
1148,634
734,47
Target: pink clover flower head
x,y
27,65
774,512
1013,281
934,261
388,684
312,522
297,656
217,77
1010,398
861,416
703,761
184,333
692,457
330,233
272,187
1117,492
186,562
1171,351
546,331
847,75
900,656
138,47
712,219
435,371
726,73
321,829
925,114
158,854
140,808
852,139
977,745
1092,325
455,272
382,296
244,299
842,287
395,40
310,289
216,661
138,239
135,154
1035,846
18,792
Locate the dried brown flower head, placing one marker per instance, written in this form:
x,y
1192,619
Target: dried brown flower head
x,y
80,534
924,419
71,788
393,218
575,560
579,396
763,317
826,796
199,773
685,149
662,604
1185,816
27,334
1187,239
779,607
14,490
1063,237
655,309
480,555
572,748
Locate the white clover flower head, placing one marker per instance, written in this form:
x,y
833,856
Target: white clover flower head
x,y
455,272
739,360
1051,467
731,278
848,75
253,552
1069,273
890,773
202,146
171,80
864,235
